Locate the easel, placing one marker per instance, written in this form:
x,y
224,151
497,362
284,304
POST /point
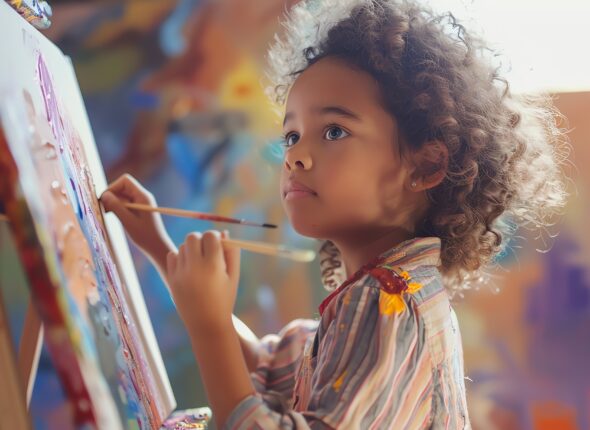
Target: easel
x,y
19,373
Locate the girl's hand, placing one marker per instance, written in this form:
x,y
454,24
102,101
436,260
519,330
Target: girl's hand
x,y
203,279
145,229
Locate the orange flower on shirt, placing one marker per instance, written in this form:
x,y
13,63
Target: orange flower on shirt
x,y
393,286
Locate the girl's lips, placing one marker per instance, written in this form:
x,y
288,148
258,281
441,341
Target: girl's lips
x,y
295,190
297,194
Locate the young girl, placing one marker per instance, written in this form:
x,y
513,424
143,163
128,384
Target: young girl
x,y
403,148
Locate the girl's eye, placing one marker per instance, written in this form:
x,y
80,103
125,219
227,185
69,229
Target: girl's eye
x,y
290,139
335,133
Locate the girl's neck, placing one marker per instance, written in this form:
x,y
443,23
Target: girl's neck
x,y
360,250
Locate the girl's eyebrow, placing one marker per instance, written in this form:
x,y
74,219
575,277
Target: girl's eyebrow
x,y
336,110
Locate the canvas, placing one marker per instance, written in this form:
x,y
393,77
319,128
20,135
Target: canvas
x,y
77,261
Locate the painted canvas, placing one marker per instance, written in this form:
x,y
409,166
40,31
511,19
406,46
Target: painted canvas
x,y
77,261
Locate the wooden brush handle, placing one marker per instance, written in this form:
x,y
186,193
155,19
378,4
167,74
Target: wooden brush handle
x,y
301,255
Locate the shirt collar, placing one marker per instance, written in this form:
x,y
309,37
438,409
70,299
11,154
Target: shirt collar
x,y
419,251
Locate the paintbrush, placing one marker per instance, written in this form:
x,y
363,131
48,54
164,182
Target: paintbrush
x,y
195,215
300,255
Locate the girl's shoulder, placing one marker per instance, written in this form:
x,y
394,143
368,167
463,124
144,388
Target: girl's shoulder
x,y
431,284
417,294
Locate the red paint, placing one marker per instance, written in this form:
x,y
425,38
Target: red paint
x,y
390,281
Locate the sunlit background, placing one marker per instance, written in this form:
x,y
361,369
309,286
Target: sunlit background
x,y
545,42
173,92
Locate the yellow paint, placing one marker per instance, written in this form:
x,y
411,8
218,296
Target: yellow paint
x,y
413,287
390,303
405,275
338,383
346,298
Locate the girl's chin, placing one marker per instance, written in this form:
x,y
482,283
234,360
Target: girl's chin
x,y
308,229
312,233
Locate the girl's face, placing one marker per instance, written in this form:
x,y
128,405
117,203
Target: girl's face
x,y
342,175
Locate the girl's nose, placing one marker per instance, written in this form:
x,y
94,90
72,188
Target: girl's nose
x,y
298,160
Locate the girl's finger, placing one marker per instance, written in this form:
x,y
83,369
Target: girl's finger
x,y
211,245
232,257
127,186
112,203
193,243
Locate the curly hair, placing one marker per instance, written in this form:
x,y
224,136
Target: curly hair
x,y
440,83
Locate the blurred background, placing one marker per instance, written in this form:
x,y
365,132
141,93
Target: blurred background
x,y
174,93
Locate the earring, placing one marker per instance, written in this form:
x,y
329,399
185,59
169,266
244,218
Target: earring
x,y
413,184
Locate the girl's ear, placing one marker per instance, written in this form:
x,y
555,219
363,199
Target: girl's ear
x,y
430,165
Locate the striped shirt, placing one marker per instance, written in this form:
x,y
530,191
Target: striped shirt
x,y
385,354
